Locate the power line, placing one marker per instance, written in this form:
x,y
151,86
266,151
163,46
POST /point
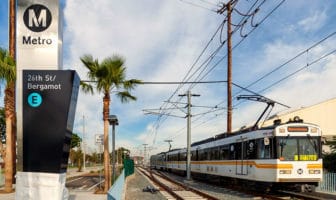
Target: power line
x,y
197,5
209,59
160,119
288,76
208,2
299,70
234,47
179,82
291,59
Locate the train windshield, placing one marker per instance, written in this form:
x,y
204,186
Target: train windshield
x,y
298,148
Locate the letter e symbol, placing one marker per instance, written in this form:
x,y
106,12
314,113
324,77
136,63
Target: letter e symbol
x,y
34,99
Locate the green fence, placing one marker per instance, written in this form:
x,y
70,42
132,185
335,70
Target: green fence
x,y
328,184
129,167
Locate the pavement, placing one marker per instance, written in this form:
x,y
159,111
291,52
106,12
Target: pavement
x,y
73,195
135,185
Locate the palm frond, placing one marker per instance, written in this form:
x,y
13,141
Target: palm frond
x,y
132,83
86,87
7,67
125,97
92,65
110,74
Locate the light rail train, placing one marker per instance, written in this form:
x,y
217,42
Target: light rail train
x,y
280,156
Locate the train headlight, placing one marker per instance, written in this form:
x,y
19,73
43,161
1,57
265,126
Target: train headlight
x,y
314,171
285,171
313,130
282,130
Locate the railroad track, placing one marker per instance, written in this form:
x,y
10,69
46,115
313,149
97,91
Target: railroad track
x,y
308,196
174,190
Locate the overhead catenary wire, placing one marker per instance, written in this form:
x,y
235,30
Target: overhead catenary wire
x,y
290,60
298,70
198,5
225,56
236,45
159,120
286,77
208,60
213,109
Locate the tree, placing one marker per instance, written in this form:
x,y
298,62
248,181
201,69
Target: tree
x,y
2,125
76,158
76,155
8,75
2,132
329,162
75,140
108,75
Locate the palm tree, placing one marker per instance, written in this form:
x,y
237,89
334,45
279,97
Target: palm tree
x,y
8,75
108,75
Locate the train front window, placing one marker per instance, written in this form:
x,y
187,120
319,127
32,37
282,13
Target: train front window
x,y
298,148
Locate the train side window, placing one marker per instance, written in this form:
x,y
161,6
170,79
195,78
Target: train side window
x,y
214,154
238,147
184,156
200,154
232,152
251,149
193,155
224,152
265,148
206,154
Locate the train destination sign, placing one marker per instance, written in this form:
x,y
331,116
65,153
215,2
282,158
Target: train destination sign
x,y
49,104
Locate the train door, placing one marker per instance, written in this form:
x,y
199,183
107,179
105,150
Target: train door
x,y
198,163
241,162
178,160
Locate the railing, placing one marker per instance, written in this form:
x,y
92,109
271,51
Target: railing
x,y
116,191
2,177
328,184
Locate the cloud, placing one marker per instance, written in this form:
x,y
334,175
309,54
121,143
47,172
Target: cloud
x,y
158,40
161,39
314,21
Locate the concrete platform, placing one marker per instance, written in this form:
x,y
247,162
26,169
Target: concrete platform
x,y
72,196
134,186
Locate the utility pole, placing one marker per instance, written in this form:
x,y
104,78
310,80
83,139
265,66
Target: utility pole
x,y
228,8
144,153
83,143
229,69
189,95
12,34
169,141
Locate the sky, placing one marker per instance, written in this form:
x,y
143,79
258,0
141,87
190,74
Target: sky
x,y
185,40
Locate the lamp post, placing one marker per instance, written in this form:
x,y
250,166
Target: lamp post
x,y
113,120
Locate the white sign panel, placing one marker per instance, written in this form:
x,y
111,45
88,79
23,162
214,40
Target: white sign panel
x,y
99,139
39,35
38,46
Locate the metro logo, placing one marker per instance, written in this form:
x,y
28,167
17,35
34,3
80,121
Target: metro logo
x,y
42,19
37,18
